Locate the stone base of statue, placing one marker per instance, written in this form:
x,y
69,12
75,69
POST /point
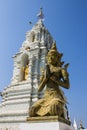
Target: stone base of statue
x,y
46,123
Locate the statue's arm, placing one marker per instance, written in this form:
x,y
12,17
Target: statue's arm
x,y
65,79
64,83
42,84
44,78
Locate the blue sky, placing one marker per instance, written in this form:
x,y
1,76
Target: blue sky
x,y
67,22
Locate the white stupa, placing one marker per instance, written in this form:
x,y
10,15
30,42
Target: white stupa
x,y
22,91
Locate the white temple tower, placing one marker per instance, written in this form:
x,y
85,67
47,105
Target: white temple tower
x,y
22,91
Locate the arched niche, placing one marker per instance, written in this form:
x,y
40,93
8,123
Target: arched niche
x,y
32,36
24,67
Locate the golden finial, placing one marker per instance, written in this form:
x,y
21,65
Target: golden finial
x,y
40,14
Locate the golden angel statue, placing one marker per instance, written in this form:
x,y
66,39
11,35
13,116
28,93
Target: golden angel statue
x,y
54,76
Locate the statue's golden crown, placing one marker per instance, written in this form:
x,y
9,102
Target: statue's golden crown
x,y
54,50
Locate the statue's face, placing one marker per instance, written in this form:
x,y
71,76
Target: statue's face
x,y
52,58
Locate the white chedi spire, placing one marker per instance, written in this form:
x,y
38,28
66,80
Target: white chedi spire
x,y
81,125
75,125
38,36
